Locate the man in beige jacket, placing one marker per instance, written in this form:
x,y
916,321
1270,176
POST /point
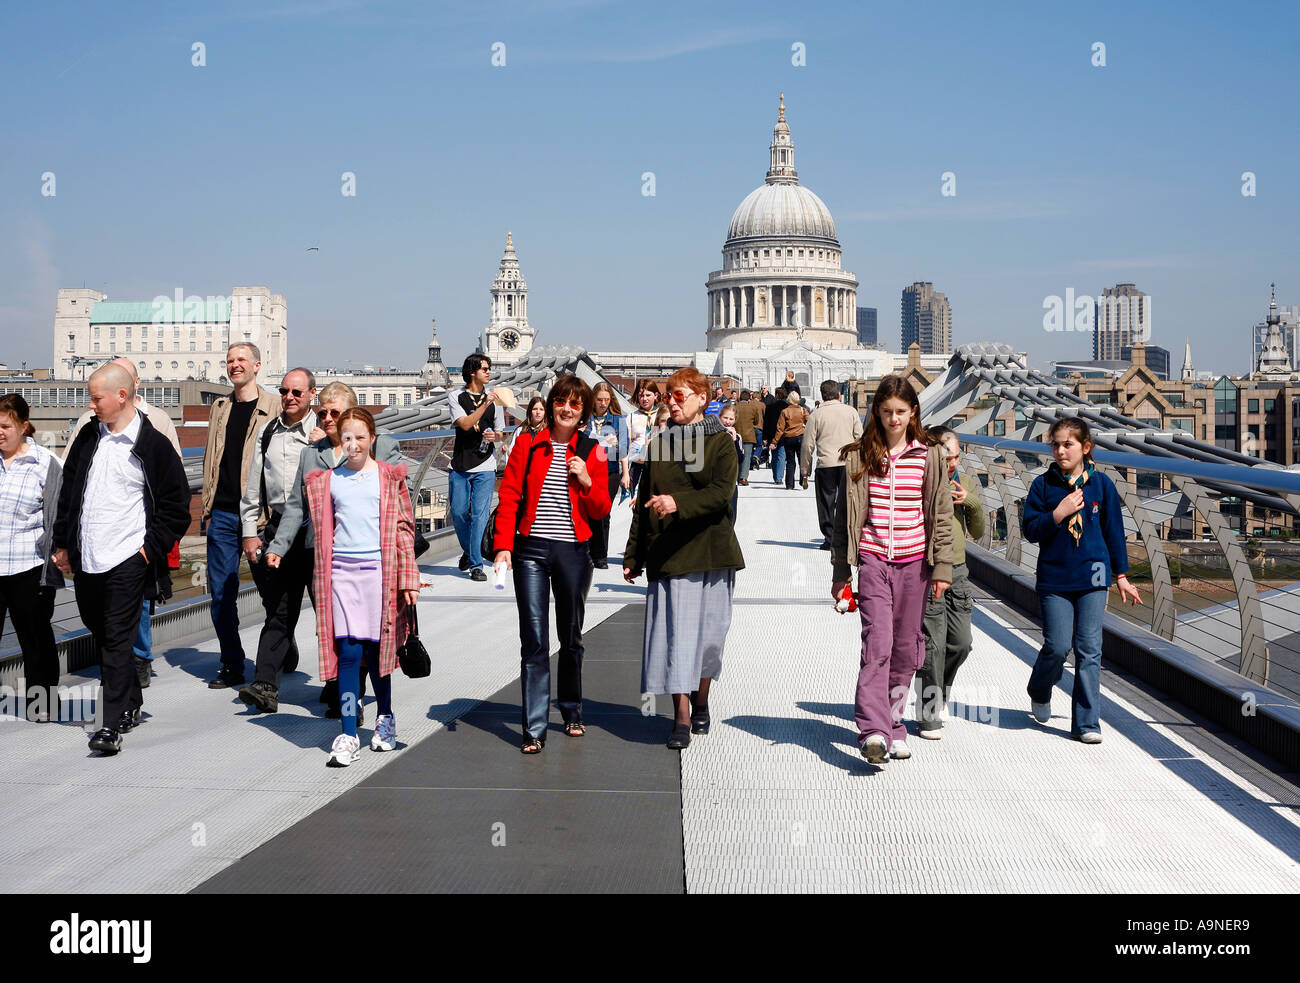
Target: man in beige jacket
x,y
831,426
233,426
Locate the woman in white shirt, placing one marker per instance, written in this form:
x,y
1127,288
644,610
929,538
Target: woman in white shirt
x,y
30,477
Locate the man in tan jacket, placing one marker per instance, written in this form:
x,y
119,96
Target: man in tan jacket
x,y
831,426
233,426
749,421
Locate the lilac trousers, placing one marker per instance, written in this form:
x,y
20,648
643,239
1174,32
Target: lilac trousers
x,y
891,600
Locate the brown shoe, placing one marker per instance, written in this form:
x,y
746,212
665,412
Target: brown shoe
x,y
744,481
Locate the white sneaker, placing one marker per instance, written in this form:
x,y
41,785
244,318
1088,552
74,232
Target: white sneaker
x,y
900,750
385,736
1042,711
343,752
875,750
931,735
1090,737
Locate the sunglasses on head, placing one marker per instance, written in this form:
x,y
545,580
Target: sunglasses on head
x,y
284,391
573,402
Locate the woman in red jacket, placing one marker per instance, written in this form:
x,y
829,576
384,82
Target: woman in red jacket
x,y
548,504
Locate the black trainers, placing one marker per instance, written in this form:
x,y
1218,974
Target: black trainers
x,y
226,678
264,696
464,562
106,741
477,574
143,669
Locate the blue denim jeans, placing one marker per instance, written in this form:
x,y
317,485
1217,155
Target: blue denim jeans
x,y
470,499
760,448
143,645
778,463
223,584
1071,619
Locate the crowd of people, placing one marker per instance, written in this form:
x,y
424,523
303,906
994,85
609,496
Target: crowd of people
x,y
315,500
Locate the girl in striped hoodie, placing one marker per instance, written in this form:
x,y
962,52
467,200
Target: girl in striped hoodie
x,y
893,520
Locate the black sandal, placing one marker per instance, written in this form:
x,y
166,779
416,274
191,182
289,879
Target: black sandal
x,y
574,728
700,719
681,737
532,745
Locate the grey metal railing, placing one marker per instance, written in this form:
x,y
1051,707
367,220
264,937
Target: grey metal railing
x,y
1213,547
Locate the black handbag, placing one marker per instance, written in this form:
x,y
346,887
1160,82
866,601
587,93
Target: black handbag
x,y
412,656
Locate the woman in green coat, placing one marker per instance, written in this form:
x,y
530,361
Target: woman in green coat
x,y
682,537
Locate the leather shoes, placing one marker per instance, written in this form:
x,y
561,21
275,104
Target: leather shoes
x,y
129,720
681,737
601,564
264,696
464,562
226,679
106,741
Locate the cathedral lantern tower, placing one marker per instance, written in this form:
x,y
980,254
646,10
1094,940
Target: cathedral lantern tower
x,y
508,336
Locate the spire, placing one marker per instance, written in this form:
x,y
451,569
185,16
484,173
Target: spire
x,y
781,153
1188,372
1274,359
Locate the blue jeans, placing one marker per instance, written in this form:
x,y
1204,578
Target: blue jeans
x,y
778,463
223,584
143,646
470,499
1071,619
758,447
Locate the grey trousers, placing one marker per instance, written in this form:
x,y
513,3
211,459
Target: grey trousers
x,y
947,644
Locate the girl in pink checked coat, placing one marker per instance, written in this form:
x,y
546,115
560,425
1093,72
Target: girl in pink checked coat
x,y
366,580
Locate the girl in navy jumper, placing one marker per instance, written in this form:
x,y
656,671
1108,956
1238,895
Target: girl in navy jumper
x,y
1073,514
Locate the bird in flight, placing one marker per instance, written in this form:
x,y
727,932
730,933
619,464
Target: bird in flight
x,y
313,249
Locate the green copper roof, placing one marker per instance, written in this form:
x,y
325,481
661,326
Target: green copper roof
x,y
195,310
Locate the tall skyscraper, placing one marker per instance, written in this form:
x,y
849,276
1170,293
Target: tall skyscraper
x,y
927,319
866,325
1122,316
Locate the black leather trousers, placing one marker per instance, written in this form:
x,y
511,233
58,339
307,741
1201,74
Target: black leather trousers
x,y
540,565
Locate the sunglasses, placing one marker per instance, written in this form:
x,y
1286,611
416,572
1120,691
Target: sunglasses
x,y
681,397
329,413
573,402
297,392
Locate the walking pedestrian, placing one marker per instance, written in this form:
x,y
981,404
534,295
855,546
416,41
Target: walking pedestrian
x,y
124,501
276,455
728,420
749,420
30,479
947,619
473,472
534,423
365,576
789,437
639,424
323,454
233,424
142,647
554,491
776,405
831,426
893,520
1073,513
608,427
683,539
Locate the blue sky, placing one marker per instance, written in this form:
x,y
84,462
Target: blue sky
x,y
1068,175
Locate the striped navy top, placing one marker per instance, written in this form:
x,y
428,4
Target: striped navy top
x,y
554,518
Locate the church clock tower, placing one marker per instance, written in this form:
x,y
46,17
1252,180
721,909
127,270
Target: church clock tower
x,y
509,337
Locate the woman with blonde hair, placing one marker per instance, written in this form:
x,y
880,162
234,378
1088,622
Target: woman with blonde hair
x,y
682,537
608,427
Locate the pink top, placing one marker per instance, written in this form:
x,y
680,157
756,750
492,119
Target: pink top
x,y
894,528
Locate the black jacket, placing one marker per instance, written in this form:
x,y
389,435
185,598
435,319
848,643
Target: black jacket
x,y
166,501
772,408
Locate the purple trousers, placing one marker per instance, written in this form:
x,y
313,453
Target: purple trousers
x,y
891,600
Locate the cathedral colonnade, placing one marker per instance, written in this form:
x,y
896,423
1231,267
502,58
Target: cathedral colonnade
x,y
782,305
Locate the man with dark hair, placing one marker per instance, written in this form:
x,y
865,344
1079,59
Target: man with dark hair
x,y
233,425
831,426
771,414
473,463
749,418
124,501
276,454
